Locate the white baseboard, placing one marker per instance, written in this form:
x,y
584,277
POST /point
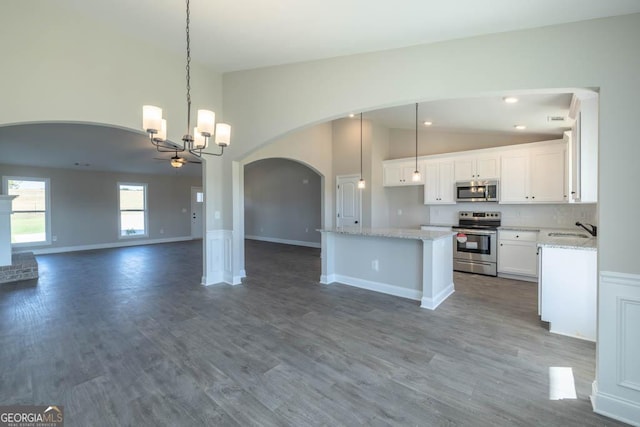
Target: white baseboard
x,y
533,279
614,407
121,244
327,279
284,241
375,286
433,303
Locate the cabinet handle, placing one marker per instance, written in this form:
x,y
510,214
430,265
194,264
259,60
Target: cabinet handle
x,y
526,197
517,236
533,197
573,192
501,244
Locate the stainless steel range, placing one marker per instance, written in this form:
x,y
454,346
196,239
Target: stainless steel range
x,y
475,245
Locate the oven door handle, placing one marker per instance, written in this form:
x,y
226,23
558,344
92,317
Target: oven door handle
x,y
479,232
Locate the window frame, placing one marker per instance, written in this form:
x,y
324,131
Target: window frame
x,y
145,210
47,211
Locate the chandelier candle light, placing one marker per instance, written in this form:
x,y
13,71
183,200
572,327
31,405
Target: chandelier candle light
x,y
416,174
206,127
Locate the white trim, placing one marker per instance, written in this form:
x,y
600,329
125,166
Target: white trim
x,y
284,241
614,407
219,258
327,279
625,279
384,288
522,278
47,211
433,303
145,210
112,245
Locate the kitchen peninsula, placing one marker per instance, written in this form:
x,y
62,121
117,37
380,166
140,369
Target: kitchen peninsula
x,y
412,264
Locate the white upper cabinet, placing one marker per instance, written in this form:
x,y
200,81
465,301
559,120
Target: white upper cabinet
x,y
534,175
583,150
439,182
471,168
400,173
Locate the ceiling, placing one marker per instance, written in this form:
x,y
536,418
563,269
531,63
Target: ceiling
x,y
245,34
284,31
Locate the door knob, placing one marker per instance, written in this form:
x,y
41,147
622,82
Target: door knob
x,y
355,222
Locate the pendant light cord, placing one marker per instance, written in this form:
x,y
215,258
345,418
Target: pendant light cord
x,y
416,136
360,145
188,73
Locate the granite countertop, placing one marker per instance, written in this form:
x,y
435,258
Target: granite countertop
x,y
398,233
438,225
546,241
518,228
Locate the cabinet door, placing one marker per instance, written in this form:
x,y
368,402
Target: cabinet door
x,y
446,182
431,184
407,174
464,169
517,257
392,175
488,167
514,177
548,174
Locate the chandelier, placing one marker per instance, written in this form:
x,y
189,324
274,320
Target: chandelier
x,y
206,127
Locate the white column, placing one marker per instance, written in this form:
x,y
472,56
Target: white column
x,y
5,229
437,272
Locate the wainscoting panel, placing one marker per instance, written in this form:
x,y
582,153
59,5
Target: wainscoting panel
x,y
616,391
219,258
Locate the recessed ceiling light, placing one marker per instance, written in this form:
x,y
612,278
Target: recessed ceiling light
x,y
520,127
428,123
352,115
510,99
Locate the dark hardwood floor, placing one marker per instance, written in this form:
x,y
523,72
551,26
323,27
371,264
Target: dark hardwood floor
x,y
128,337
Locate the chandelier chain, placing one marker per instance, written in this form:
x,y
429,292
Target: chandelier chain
x,y
188,67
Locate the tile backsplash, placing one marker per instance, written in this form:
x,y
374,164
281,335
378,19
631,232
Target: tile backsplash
x,y
549,216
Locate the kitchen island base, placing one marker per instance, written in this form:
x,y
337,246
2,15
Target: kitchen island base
x,y
410,264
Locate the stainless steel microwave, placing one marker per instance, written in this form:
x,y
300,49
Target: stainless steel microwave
x,y
477,191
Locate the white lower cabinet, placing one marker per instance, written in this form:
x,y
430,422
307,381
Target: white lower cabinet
x,y
568,291
517,254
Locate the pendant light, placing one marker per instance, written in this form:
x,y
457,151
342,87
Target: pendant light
x,y
206,127
361,183
416,177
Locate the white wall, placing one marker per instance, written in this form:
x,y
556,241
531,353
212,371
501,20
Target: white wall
x,y
593,54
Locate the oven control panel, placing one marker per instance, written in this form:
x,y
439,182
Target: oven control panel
x,y
492,216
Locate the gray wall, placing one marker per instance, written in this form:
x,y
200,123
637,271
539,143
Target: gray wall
x,y
84,205
283,202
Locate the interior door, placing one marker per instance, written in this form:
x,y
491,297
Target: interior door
x,y
197,203
348,204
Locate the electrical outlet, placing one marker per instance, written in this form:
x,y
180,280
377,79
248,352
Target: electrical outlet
x,y
375,265
162,231
306,230
399,212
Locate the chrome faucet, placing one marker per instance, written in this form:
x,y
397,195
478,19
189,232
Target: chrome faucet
x,y
593,231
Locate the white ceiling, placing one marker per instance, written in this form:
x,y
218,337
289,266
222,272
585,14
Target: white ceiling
x,y
244,34
241,34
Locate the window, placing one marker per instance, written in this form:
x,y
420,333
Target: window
x,y
133,210
30,216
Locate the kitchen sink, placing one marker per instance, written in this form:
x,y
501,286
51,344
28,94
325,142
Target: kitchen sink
x,y
570,235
